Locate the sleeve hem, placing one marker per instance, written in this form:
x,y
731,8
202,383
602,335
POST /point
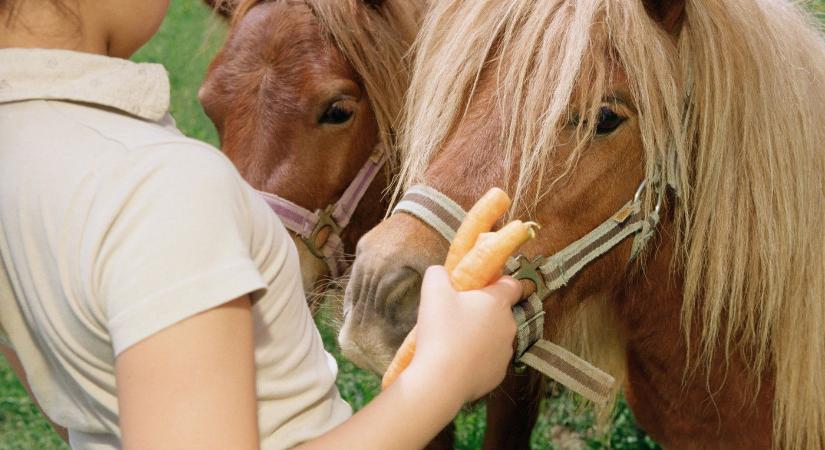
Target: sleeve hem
x,y
181,301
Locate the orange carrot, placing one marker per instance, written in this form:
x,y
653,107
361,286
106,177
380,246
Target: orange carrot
x,y
480,219
479,264
482,265
403,357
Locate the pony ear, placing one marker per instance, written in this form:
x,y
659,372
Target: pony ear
x,y
223,7
669,14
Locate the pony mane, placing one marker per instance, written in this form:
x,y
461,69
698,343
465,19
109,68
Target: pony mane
x,y
730,114
375,38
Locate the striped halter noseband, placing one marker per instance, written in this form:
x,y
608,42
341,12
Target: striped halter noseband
x,y
548,274
321,230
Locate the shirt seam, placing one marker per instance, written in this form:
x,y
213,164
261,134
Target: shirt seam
x,y
244,264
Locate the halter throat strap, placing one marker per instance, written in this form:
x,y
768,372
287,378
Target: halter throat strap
x,y
321,230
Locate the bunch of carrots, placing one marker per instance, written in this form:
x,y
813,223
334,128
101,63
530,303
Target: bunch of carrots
x,y
475,259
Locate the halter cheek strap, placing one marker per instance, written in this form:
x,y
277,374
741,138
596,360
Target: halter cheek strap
x,y
321,230
547,274
551,273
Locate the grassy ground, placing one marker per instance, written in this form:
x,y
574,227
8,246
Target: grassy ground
x,y
185,45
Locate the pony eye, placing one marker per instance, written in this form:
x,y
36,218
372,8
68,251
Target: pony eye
x,y
336,114
608,121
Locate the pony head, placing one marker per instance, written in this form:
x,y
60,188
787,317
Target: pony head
x,y
302,93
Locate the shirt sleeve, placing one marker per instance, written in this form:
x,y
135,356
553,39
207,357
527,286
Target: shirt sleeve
x,y
178,244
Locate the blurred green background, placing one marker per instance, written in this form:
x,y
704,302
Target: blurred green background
x,y
185,44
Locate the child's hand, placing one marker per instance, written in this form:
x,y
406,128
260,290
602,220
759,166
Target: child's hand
x,y
466,338
463,347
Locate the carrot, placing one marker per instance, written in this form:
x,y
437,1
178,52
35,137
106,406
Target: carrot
x,y
480,219
479,264
482,265
403,357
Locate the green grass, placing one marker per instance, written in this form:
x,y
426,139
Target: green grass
x,y
21,425
185,44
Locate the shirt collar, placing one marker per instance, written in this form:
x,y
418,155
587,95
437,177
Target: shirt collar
x,y
140,89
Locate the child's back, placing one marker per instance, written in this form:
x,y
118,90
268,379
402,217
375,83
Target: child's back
x,y
120,226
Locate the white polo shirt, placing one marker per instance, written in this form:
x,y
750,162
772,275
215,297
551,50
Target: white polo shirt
x,y
113,226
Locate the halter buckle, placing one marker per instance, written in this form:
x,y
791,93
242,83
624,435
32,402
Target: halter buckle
x,y
326,227
377,154
530,270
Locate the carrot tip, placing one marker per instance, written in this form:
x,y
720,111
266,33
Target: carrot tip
x,y
532,229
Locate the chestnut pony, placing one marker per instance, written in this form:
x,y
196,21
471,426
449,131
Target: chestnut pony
x,y
303,93
716,327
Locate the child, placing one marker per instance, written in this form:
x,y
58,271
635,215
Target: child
x,y
149,298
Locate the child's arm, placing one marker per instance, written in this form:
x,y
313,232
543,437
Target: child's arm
x,y
464,348
192,385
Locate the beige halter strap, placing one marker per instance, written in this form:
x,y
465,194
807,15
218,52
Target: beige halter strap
x,y
548,274
321,229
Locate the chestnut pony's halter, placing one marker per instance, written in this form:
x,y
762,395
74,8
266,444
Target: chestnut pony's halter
x,y
321,230
548,274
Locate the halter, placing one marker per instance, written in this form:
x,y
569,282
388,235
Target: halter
x,y
548,274
321,230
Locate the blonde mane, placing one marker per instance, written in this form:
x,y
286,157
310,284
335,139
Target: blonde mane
x,y
731,114
375,40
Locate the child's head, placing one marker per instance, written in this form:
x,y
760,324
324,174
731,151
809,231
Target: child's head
x,y
114,27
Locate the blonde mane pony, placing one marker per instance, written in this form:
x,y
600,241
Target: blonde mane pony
x,y
731,114
375,40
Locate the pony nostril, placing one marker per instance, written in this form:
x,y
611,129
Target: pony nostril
x,y
397,298
395,285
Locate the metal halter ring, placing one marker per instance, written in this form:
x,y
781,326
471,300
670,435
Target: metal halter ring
x,y
531,270
639,192
326,227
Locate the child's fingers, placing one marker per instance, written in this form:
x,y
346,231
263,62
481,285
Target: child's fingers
x,y
506,288
436,283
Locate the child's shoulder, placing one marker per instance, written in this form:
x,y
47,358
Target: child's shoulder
x,y
120,149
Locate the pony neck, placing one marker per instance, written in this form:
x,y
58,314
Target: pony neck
x,y
679,403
